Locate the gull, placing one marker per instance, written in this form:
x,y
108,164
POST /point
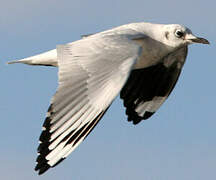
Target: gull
x,y
141,61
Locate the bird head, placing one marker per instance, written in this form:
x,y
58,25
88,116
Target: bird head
x,y
176,35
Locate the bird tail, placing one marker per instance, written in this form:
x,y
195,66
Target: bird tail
x,y
45,59
24,61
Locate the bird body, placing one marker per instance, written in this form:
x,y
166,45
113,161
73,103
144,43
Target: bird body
x,y
142,61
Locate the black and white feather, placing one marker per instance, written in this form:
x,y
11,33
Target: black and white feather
x,y
147,88
88,83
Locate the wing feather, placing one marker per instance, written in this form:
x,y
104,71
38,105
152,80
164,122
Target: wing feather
x,y
92,71
146,89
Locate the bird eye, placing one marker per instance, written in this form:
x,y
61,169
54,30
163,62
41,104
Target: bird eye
x,y
179,33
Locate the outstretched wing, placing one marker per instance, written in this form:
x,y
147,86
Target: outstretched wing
x,y
92,71
146,89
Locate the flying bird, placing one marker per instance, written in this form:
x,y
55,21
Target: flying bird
x,y
142,61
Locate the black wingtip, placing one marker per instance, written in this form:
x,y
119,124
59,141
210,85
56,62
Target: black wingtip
x,y
135,118
43,169
147,115
43,150
40,165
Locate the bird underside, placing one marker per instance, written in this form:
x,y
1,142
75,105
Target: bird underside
x,y
146,89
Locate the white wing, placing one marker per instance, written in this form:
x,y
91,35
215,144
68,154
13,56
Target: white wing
x,y
92,71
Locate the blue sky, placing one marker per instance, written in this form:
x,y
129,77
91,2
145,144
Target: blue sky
x,y
178,142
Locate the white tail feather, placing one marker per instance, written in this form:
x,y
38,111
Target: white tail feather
x,y
48,58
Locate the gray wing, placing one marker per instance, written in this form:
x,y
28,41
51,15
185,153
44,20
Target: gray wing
x,y
146,89
92,71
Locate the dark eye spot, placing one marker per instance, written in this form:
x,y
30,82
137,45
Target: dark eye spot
x,y
179,33
167,35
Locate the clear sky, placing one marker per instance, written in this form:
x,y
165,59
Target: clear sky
x,y
177,143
